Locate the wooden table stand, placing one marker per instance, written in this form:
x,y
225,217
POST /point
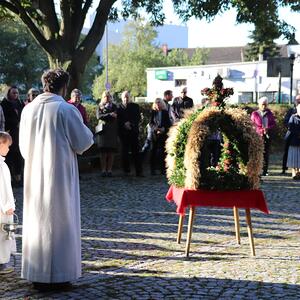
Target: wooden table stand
x,y
236,225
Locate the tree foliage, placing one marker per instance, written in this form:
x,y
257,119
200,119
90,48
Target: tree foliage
x,y
267,29
128,61
22,60
57,25
263,43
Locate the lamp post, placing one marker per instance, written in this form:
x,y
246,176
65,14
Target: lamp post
x,y
107,84
292,59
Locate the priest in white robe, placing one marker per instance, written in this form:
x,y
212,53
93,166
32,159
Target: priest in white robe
x,y
52,133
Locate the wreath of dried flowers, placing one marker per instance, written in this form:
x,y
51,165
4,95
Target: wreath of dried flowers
x,y
242,156
241,159
242,153
175,147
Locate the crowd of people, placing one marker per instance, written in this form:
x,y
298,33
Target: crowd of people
x,y
118,128
42,138
122,123
119,124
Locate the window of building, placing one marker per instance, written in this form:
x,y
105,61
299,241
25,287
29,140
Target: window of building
x,y
180,82
245,97
270,95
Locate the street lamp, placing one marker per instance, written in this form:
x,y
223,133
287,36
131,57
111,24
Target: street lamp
x,y
292,59
107,84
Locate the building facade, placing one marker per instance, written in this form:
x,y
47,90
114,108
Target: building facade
x,y
248,79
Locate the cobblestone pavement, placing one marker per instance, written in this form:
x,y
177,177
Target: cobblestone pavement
x,y
130,251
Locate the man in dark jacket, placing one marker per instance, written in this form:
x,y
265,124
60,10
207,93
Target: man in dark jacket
x,y
287,117
168,96
181,103
128,124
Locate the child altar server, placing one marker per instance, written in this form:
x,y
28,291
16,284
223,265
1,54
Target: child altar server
x,y
7,205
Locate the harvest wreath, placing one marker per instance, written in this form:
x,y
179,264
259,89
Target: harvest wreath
x,y
242,151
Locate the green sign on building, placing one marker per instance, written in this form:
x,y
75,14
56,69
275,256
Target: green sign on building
x,y
161,74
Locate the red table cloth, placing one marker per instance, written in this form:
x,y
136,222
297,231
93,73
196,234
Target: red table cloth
x,y
238,198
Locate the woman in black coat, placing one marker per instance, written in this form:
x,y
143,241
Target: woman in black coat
x,y
12,107
294,148
107,139
159,124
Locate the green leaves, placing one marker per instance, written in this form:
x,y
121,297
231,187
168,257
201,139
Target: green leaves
x,y
128,61
178,176
22,60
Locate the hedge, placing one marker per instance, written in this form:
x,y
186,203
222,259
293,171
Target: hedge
x,y
279,111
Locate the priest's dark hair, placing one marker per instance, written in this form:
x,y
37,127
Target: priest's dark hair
x,y
54,79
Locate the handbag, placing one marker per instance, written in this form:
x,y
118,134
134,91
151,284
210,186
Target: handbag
x,y
99,127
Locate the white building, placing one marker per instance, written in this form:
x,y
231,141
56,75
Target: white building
x,y
248,79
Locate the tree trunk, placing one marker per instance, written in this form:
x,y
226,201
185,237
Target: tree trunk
x,y
76,71
75,67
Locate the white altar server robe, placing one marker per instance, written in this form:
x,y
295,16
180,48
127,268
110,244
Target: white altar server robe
x,y
52,133
7,202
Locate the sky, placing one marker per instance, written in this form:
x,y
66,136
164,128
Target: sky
x,y
222,31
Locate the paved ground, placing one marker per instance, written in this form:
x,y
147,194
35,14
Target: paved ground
x,y
129,248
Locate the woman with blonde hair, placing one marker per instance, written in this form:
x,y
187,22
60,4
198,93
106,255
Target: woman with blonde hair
x,y
107,138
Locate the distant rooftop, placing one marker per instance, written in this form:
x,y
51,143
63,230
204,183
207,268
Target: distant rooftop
x,y
222,55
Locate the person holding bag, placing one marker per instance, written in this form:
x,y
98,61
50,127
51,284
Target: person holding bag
x,y
159,126
107,138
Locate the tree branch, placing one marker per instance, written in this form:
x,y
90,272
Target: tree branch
x,y
66,24
21,12
84,12
89,44
47,8
9,6
77,20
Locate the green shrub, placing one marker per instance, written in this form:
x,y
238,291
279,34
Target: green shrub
x,y
279,111
91,112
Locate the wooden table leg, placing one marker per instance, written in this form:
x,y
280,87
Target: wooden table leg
x,y
237,224
190,229
179,231
250,233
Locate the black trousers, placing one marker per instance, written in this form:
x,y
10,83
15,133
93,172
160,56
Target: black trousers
x,y
158,154
14,161
130,143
